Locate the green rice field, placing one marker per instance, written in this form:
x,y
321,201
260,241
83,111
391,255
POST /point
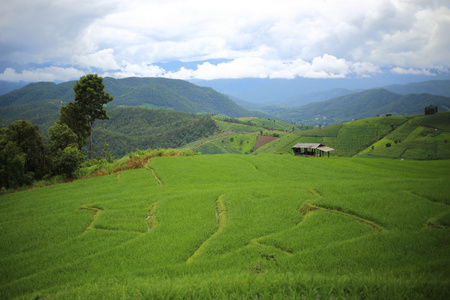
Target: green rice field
x,y
234,227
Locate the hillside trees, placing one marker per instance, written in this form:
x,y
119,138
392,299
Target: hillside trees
x,y
12,165
150,128
63,145
28,139
72,116
89,100
431,109
22,155
25,158
61,137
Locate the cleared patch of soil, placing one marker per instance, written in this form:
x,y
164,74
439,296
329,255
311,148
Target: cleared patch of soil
x,y
261,140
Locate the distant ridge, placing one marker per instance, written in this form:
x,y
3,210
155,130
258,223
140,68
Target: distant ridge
x,y
166,93
434,87
365,104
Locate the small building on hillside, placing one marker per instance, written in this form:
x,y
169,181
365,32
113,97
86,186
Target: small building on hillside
x,y
311,149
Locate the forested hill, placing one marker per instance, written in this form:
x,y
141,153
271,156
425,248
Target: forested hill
x,y
132,128
165,93
366,104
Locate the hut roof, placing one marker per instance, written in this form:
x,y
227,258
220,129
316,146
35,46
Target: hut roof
x,y
317,146
325,149
307,145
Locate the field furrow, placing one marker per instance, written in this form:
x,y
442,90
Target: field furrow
x,y
158,180
308,207
221,216
95,211
151,218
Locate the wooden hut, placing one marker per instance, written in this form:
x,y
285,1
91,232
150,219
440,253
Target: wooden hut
x,y
311,149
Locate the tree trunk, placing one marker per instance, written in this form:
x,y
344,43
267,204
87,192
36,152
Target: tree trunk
x,y
90,141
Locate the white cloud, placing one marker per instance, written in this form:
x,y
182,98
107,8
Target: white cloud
x,y
262,38
42,74
103,59
136,70
413,71
326,66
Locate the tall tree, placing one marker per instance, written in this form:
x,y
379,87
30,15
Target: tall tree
x,y
90,98
72,116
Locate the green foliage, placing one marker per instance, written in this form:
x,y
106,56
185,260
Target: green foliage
x,y
431,109
149,129
67,161
12,166
106,154
243,144
61,137
29,141
133,160
328,131
229,226
89,100
72,116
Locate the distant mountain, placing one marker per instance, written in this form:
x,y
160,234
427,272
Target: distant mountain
x,y
173,94
434,87
315,97
40,102
359,105
266,91
7,86
278,91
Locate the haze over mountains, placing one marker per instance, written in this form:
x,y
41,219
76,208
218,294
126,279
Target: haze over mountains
x,y
40,102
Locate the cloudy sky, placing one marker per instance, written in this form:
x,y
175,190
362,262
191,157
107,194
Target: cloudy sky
x,y
48,40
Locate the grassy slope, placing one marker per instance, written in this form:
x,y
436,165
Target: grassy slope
x,y
221,143
234,226
412,137
421,137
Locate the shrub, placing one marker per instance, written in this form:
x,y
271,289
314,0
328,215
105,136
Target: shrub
x,y
67,161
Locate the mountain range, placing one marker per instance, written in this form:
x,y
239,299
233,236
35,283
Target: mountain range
x,y
40,102
360,105
267,91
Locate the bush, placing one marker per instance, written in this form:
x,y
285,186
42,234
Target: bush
x,y
388,145
67,161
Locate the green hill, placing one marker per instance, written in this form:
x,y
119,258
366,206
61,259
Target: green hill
x,y
136,128
36,100
419,137
240,136
233,227
359,105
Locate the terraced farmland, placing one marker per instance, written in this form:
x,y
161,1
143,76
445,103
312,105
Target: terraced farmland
x,y
234,226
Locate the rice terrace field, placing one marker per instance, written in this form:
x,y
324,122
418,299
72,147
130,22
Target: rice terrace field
x,y
234,227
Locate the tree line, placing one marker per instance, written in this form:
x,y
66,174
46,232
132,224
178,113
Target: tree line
x,y
25,156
